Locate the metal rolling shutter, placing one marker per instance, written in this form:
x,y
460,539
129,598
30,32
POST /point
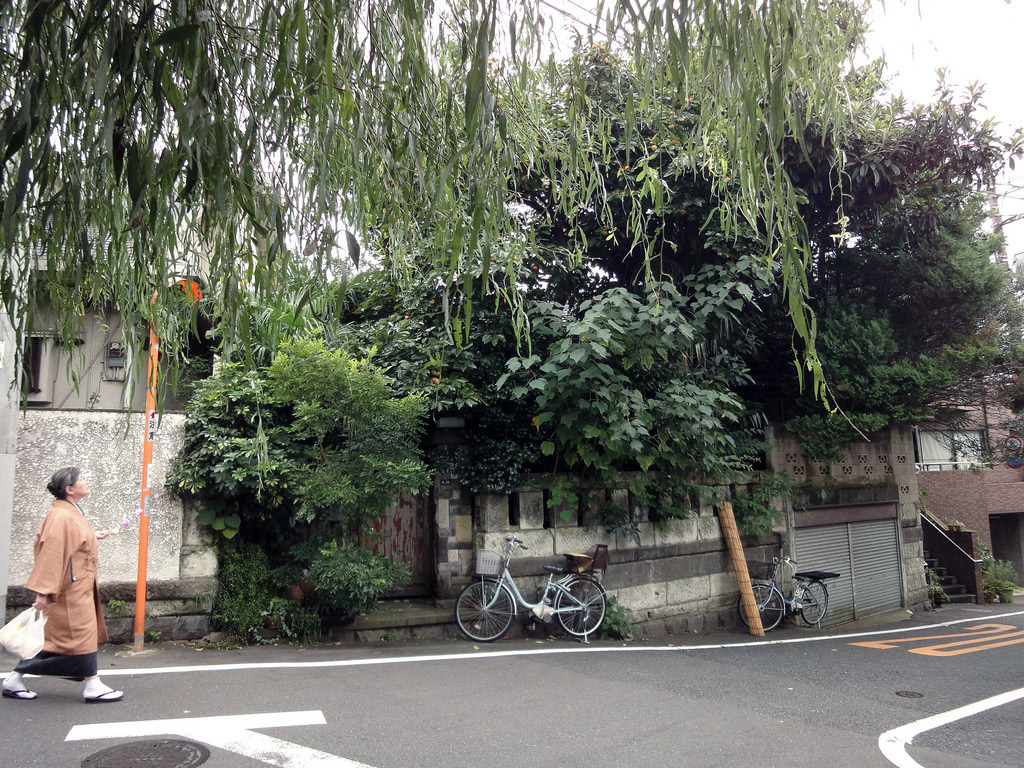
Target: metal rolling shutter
x,y
827,548
877,581
866,555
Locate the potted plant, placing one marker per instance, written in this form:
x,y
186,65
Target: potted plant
x,y
955,525
291,621
291,578
276,614
936,593
999,576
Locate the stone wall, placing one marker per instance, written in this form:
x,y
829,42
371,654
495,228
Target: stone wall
x,y
107,446
678,579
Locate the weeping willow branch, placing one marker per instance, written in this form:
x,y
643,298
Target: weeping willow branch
x,y
232,140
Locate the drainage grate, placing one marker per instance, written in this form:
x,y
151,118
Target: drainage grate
x,y
150,754
910,694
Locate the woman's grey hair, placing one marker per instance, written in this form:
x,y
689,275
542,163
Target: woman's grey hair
x,y
61,479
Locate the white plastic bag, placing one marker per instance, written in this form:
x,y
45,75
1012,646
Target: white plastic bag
x,y
23,635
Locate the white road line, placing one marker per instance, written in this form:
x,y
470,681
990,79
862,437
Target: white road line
x,y
894,743
139,729
471,656
230,732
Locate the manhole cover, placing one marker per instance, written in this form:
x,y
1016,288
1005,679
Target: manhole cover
x,y
151,754
910,694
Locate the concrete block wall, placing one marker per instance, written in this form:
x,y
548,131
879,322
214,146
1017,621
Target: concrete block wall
x,y
107,446
879,468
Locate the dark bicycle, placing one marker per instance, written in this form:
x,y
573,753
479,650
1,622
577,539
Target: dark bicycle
x,y
809,600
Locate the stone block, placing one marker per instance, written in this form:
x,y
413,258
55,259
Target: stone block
x,y
441,513
642,598
198,562
463,528
563,517
493,511
709,529
620,498
647,535
581,539
723,583
686,566
678,532
682,591
629,574
531,510
539,543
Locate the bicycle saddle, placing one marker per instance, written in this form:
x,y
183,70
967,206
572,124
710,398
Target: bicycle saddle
x,y
554,568
819,575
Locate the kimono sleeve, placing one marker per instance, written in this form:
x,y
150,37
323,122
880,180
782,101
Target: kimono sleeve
x,y
54,544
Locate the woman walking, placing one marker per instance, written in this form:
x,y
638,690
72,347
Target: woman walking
x,y
67,591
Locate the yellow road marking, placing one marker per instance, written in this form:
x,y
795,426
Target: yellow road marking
x,y
983,637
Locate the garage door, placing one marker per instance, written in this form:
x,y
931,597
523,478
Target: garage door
x,y
867,556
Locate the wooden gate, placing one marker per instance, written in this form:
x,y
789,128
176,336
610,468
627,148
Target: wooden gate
x,y
405,535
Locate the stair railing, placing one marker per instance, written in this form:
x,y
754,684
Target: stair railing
x,y
950,552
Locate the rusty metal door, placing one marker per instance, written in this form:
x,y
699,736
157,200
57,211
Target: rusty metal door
x,y
405,535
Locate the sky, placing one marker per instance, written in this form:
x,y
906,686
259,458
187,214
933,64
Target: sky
x,y
975,41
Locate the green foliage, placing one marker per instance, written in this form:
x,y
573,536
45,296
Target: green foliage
x,y
360,442
917,318
244,590
822,436
226,524
756,512
143,138
998,576
617,624
315,435
350,579
293,622
116,607
935,591
624,384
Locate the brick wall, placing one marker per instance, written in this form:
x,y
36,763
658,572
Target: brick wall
x,y
971,495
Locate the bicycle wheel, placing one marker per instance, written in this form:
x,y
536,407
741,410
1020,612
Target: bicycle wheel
x,y
814,603
770,604
584,605
484,610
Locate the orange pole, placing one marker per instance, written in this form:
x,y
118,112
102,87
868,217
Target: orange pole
x,y
147,458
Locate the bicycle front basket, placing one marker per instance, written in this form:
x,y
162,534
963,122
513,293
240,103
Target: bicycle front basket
x,y
488,563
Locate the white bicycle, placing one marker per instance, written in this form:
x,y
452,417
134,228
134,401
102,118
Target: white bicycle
x,y
487,606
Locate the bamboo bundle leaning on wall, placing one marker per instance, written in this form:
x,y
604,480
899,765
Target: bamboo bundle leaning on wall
x,y
739,563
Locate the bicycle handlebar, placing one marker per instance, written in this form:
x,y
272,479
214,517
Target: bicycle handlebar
x,y
514,543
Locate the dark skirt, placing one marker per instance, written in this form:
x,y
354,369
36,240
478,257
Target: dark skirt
x,y
59,665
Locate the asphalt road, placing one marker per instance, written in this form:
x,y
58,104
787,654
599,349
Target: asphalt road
x,y
801,697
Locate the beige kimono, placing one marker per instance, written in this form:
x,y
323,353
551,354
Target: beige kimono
x,y
66,559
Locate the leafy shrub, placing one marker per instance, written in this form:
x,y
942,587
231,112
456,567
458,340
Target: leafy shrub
x,y
316,434
244,591
295,623
617,624
350,579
